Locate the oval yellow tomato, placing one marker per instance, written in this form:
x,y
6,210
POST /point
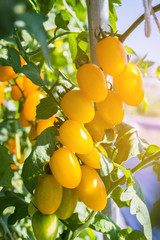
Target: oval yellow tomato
x,y
92,158
48,194
91,189
111,56
16,91
29,86
129,85
65,168
68,204
45,123
75,137
77,106
92,82
29,108
111,109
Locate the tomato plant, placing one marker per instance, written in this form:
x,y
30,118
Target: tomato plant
x,y
65,82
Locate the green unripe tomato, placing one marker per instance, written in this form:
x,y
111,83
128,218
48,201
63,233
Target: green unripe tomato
x,y
68,204
45,227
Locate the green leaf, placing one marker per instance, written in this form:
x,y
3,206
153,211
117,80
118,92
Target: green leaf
x,y
109,136
158,71
128,143
130,50
136,234
73,45
5,62
6,172
106,165
112,13
8,199
151,150
73,222
45,5
156,170
33,22
154,214
41,153
33,73
138,207
144,104
60,22
46,109
116,194
105,225
15,59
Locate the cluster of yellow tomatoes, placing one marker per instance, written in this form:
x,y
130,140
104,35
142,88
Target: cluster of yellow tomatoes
x,y
90,110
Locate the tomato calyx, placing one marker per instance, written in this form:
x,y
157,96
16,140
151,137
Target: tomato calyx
x,y
103,34
81,59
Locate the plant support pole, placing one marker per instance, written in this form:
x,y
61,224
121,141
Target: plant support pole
x,y
98,16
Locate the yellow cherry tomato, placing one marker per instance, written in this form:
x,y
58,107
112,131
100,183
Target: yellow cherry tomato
x,y
96,127
68,204
129,85
45,123
29,86
76,137
32,134
111,56
29,108
77,106
7,73
91,189
48,194
16,91
23,121
65,168
92,82
111,109
92,158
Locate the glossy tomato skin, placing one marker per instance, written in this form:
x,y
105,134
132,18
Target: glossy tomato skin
x,y
45,123
29,86
77,106
96,127
129,85
22,120
92,158
92,82
68,204
111,109
16,93
91,189
75,137
48,194
7,73
111,56
65,168
29,108
44,227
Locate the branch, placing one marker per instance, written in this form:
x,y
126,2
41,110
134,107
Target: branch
x,y
137,168
84,226
122,37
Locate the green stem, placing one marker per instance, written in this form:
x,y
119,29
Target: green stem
x,y
19,45
119,166
137,168
6,229
122,37
72,13
19,89
84,226
49,92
